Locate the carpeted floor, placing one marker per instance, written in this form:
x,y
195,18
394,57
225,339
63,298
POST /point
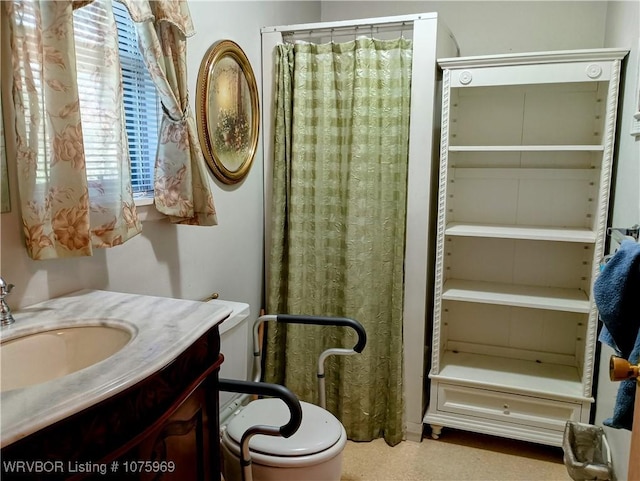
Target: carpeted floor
x,y
456,456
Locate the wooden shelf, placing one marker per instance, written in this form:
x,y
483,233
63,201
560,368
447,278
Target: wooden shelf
x,y
558,299
526,148
559,234
548,379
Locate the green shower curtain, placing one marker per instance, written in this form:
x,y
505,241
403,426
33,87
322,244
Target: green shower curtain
x,y
338,224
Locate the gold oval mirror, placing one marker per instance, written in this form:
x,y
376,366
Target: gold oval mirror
x,y
228,111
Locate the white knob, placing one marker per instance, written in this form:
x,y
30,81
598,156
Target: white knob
x,y
465,77
594,70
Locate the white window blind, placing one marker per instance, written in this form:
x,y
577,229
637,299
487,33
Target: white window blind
x,y
141,104
101,140
140,100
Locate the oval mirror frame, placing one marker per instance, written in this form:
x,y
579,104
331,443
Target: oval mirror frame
x,y
228,111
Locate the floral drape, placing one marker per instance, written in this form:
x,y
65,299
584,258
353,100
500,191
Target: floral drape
x,y
182,190
72,199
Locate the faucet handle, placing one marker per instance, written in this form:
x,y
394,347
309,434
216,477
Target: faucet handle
x,y
5,313
5,288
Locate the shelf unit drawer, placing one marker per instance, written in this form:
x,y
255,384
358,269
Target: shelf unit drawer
x,y
525,410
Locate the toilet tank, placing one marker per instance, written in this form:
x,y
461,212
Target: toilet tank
x,y
235,345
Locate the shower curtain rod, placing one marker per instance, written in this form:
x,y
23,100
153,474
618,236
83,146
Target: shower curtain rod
x,y
349,31
351,27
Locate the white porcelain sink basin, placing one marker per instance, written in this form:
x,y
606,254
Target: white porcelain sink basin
x,y
41,356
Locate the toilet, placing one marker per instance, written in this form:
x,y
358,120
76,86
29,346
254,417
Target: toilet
x,y
313,453
235,345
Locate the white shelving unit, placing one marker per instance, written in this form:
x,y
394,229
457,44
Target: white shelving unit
x,y
525,168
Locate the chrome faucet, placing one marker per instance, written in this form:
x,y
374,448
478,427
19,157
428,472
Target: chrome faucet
x,y
5,313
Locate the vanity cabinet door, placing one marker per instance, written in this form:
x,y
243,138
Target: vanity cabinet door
x,y
178,448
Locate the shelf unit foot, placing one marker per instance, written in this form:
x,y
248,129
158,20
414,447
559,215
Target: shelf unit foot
x,y
436,431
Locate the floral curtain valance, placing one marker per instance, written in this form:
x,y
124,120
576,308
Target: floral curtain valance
x,y
175,12
71,147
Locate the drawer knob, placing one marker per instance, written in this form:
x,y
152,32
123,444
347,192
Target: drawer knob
x,y
505,408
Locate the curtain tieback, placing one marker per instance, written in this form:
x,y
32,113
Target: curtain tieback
x,y
167,114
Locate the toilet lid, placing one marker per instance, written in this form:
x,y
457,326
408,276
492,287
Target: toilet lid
x,y
318,431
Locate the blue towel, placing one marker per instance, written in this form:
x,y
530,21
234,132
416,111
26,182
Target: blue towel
x,y
617,295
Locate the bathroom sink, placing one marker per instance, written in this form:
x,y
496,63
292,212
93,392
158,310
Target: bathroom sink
x,y
41,356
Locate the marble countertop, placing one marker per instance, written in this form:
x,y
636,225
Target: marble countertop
x,y
163,328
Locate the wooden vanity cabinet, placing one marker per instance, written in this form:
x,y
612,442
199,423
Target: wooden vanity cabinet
x,y
170,417
525,169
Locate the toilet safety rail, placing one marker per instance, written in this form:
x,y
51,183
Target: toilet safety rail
x,y
263,389
310,320
259,388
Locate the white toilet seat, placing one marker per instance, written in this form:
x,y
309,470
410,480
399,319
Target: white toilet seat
x,y
320,437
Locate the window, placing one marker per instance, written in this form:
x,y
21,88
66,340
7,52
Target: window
x,y
141,104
